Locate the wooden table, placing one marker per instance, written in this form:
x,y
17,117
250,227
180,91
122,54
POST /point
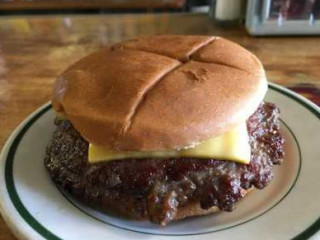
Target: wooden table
x,y
34,50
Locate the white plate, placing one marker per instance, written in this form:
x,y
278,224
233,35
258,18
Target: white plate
x,y
288,208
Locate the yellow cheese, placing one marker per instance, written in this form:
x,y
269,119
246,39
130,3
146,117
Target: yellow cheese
x,y
231,146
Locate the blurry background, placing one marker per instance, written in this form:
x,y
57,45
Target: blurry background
x,y
90,5
272,17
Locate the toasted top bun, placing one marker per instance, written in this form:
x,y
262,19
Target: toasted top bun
x,y
160,92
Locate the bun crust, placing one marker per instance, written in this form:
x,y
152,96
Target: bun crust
x,y
160,92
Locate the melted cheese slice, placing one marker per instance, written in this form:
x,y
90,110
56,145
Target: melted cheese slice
x,y
231,146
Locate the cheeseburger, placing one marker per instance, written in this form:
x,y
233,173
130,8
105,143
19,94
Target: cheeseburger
x,y
163,128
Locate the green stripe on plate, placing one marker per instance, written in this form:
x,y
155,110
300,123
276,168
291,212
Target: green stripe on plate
x,y
11,186
315,227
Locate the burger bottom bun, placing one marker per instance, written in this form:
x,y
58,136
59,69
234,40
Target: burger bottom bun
x,y
125,209
193,208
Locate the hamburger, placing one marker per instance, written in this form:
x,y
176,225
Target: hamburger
x,y
163,128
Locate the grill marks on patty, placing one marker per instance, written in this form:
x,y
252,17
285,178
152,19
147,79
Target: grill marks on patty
x,y
156,188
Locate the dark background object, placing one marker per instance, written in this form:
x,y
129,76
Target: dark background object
x,y
90,6
316,9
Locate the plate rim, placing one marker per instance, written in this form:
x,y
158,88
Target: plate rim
x,y
18,133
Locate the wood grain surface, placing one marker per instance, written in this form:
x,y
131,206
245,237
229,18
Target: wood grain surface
x,y
34,50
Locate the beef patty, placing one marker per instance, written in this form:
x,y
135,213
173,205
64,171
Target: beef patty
x,y
156,188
